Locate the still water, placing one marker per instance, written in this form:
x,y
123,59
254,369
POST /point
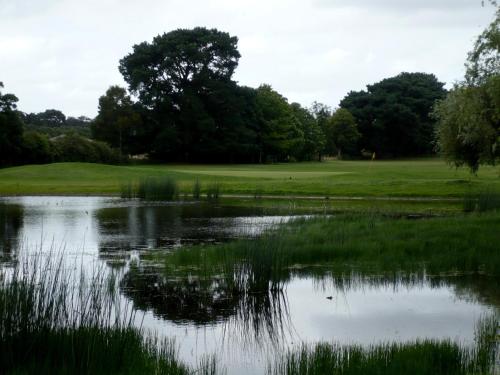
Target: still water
x,y
244,332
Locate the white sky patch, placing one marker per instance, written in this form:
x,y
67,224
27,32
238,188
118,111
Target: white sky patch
x,y
64,54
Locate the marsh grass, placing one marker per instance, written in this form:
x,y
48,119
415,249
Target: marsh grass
x,y
51,323
426,357
213,191
151,189
485,200
197,189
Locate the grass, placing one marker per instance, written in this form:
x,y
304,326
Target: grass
x,y
345,243
53,324
404,178
418,358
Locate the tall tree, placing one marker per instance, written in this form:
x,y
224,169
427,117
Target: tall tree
x,y
11,129
344,133
314,138
281,134
322,114
173,76
393,115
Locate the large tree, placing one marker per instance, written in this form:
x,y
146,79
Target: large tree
x,y
11,129
177,77
393,115
314,137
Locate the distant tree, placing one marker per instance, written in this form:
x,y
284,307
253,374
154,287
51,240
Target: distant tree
x,y
393,115
118,122
11,130
344,133
314,138
281,130
322,114
49,117
80,121
469,118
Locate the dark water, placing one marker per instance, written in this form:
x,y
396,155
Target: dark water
x,y
244,331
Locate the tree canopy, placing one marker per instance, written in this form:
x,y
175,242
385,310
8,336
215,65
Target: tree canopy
x,y
393,115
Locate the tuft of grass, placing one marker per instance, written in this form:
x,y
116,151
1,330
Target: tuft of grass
x,y
152,189
197,189
51,323
213,192
425,357
485,200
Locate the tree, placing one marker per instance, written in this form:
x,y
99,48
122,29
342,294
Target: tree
x,y
344,133
176,77
11,129
118,122
314,138
281,135
469,118
49,117
322,114
393,115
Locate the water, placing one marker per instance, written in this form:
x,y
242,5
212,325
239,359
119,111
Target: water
x,y
244,331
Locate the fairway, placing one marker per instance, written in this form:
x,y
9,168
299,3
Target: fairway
x,y
405,178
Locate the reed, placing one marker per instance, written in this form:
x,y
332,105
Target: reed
x,y
51,323
425,357
152,189
197,189
213,192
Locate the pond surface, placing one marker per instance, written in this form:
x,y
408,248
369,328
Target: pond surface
x,y
244,331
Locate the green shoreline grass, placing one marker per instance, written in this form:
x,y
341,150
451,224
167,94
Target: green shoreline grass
x,y
364,243
404,178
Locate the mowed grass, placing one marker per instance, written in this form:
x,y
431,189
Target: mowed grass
x,y
404,178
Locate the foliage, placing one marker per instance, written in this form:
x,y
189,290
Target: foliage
x,y
37,148
344,133
152,189
118,123
469,124
314,137
281,133
469,118
393,114
73,148
11,130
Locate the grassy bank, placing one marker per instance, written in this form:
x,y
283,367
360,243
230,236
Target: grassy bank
x,y
51,323
406,178
346,243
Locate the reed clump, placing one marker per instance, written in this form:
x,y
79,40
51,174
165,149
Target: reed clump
x,y
54,323
483,201
152,189
213,192
426,357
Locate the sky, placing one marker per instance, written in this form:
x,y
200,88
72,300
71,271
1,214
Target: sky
x,y
64,54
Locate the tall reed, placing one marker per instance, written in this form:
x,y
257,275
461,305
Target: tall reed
x,y
425,357
53,322
152,189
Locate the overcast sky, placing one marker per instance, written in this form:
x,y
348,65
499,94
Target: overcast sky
x,y
64,54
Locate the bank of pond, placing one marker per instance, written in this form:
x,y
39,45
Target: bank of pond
x,y
338,293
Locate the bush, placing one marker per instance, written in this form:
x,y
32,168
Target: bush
x,y
73,148
37,149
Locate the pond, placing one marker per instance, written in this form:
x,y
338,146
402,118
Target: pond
x,y
245,331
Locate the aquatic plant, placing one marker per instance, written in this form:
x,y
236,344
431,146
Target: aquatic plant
x,y
213,192
152,189
482,201
52,323
421,357
197,189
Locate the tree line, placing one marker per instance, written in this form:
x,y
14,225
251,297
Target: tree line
x,y
182,104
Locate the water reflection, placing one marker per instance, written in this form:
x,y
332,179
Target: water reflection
x,y
234,304
11,220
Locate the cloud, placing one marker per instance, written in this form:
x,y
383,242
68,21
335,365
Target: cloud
x,y
64,53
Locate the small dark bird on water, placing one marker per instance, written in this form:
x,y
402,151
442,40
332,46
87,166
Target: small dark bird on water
x,y
329,297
